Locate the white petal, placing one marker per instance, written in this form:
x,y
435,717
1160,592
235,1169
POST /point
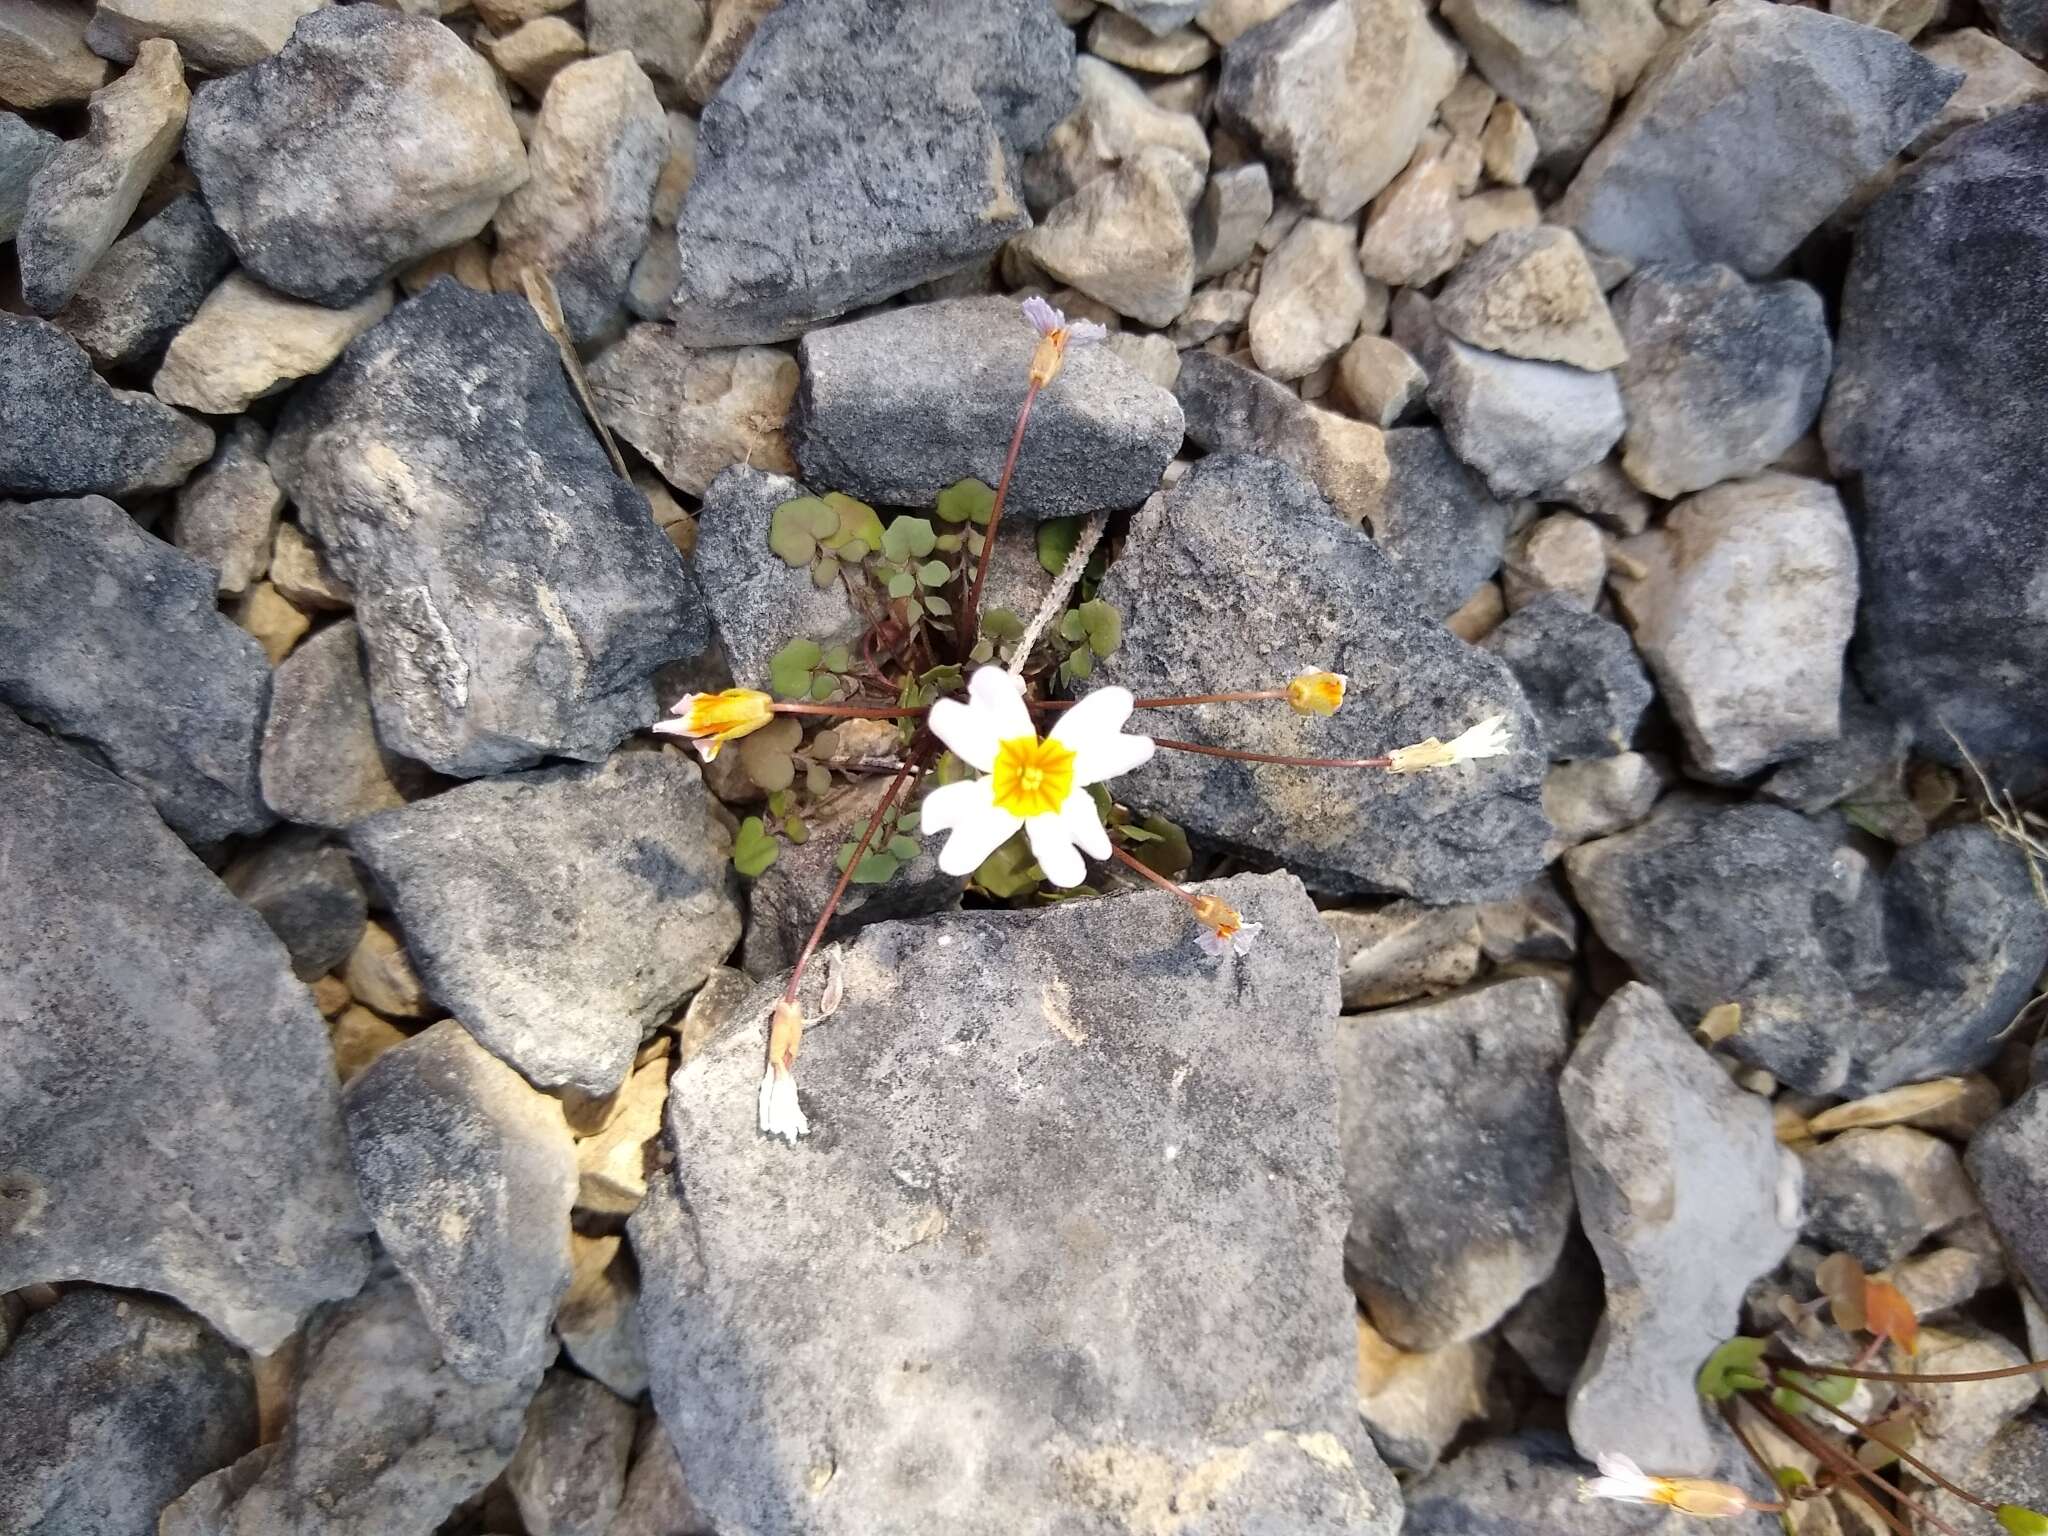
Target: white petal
x,y
1001,698
1105,759
1098,716
781,1114
1210,942
1043,317
1614,1464
977,833
1082,822
1055,851
945,806
1246,936
966,731
1081,333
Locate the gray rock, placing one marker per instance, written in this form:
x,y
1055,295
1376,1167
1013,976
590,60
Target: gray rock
x,y
1849,982
1748,133
469,1175
215,38
1401,950
372,139
1235,206
1722,375
694,413
1310,302
1582,678
1995,81
1743,609
2022,23
1454,1157
24,150
147,285
1415,1405
85,192
664,36
110,636
2012,1468
1158,17
598,1321
1687,1198
115,1404
944,105
383,1438
322,763
68,434
562,914
1438,523
309,895
657,1500
1116,121
1124,239
43,57
596,150
1954,546
209,1167
757,601
1551,1329
1604,494
2008,1159
228,512
1879,1194
1248,580
1525,1485
1600,796
948,1209
1532,293
898,405
569,1472
1960,1420
514,595
1867,760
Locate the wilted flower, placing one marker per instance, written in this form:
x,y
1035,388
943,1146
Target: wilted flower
x,y
709,720
1622,1480
781,1114
1489,738
1316,693
1223,927
1055,334
1038,784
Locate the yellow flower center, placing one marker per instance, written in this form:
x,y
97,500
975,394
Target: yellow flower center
x,y
1032,777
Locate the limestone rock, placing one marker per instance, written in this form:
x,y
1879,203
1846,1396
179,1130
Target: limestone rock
x,y
1687,1198
1235,206
1579,672
1402,950
227,513
210,1167
1744,608
1531,293
1383,383
370,140
500,885
2021,23
1124,239
1754,128
247,342
514,595
148,285
1114,122
569,1472
1558,555
598,1321
43,57
1158,17
1880,1193
322,763
1416,230
308,893
301,574
1416,1403
24,150
2006,1161
694,414
1995,81
85,192
214,38
943,106
657,1500
1507,147
1246,567
381,974
1120,40
611,1165
1525,1485
1600,797
536,51
1311,299
899,405
664,37
1437,521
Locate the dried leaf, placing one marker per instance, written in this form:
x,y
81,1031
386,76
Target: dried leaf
x,y
1841,1279
1890,1316
1892,1107
835,982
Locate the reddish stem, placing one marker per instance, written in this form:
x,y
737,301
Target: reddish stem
x,y
849,711
1856,1474
1783,1379
970,610
1168,702
1782,1363
1272,757
1150,874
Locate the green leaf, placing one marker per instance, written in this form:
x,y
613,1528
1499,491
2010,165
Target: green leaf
x,y
1103,625
1073,628
795,527
753,850
1736,1366
904,848
902,584
934,573
1170,855
936,604
817,780
796,831
944,678
1010,871
2021,1521
906,821
907,539
778,803
1056,540
823,686
837,658
947,544
1001,624
789,670
874,868
984,649
854,522
913,611
1080,665
966,501
824,571
1789,1478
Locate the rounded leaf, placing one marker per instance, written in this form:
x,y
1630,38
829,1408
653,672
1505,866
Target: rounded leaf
x,y
934,573
1056,540
966,501
753,850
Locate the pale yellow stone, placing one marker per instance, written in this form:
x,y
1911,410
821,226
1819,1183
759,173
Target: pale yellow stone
x,y
248,341
360,1037
534,54
276,624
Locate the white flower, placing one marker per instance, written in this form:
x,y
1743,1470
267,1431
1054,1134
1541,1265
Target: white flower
x,y
1048,321
1039,785
1622,1480
781,1115
1240,939
1619,1479
1489,738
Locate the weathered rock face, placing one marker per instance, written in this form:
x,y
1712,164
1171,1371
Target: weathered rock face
x,y
1748,133
24,150
110,636
1124,239
944,105
992,1288
2008,1159
1454,1157
307,891
383,1437
1437,521
1531,293
1115,121
897,406
1848,983
1579,673
70,435
246,342
372,139
115,1405
1880,1193
211,1167
1526,1485
218,39
562,914
227,514
322,763
1687,1198
1925,409
1311,299
43,57
514,595
1248,579
469,1175
132,302
569,1472
696,413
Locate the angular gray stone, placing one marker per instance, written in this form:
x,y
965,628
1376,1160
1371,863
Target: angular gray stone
x,y
68,434
1454,1157
1687,1198
1552,1328
1532,293
1995,81
1744,606
1880,1193
897,406
1248,579
1235,206
2022,23
1722,375
2008,1160
994,1282
1600,796
214,37
598,1321
1849,983
1526,1485
514,595
757,601
1867,760
85,192
1580,674
309,895
569,1473
372,139
1124,239
383,1438
322,763
665,36
1115,121
43,57
24,150
1750,131
469,1175
1158,17
1402,950
110,636
1311,299
562,914
942,108
657,1500
695,413
1927,409
115,1404
1437,521
210,1166
228,512
595,152
2012,1467
147,285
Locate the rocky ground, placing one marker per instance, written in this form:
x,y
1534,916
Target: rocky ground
x,y
380,1007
